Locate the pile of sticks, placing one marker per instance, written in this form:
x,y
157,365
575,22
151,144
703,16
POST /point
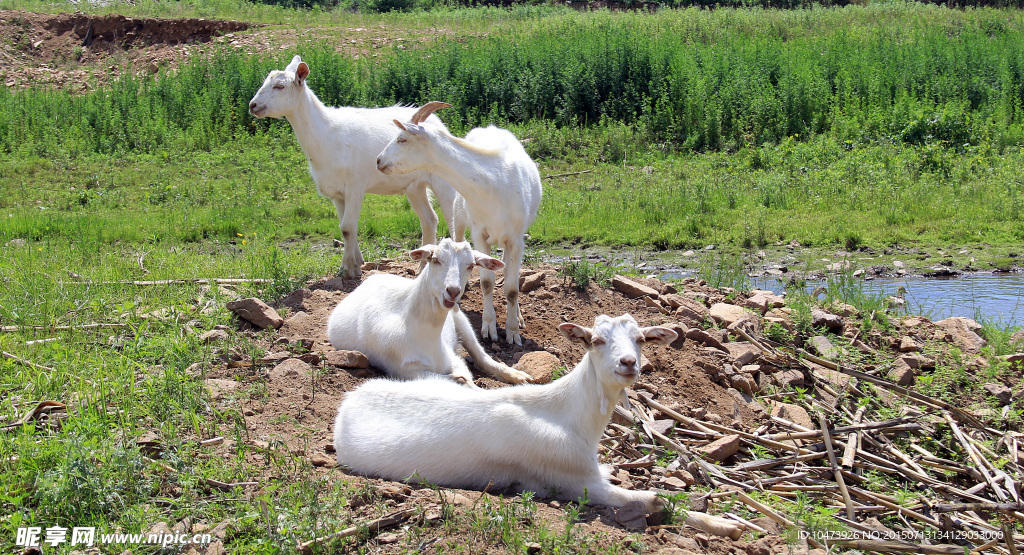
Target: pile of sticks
x,y
958,481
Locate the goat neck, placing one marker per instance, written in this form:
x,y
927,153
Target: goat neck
x,y
468,167
312,125
584,390
424,308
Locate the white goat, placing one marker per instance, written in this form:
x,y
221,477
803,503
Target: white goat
x,y
410,327
540,438
341,145
499,189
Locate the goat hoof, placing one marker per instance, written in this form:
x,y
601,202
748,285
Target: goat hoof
x,y
511,337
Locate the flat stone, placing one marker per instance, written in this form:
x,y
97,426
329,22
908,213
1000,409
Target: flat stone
x,y
823,347
832,322
672,483
540,365
963,333
257,312
1002,393
213,336
742,352
842,309
902,373
1017,338
290,369
789,378
530,282
348,359
725,314
721,448
705,338
744,383
219,388
794,413
298,300
918,361
909,345
631,288
632,516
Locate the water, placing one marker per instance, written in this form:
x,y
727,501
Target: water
x,y
986,297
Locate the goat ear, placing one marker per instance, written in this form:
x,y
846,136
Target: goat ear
x,y
301,73
399,124
576,333
294,64
426,252
659,335
487,262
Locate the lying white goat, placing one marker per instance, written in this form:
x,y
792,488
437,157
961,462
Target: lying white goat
x,y
409,327
541,438
499,189
341,145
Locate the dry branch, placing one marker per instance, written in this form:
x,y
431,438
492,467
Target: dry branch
x,y
24,362
373,526
566,174
9,329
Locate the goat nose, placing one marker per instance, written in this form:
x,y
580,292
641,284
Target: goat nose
x,y
629,362
378,160
453,292
252,104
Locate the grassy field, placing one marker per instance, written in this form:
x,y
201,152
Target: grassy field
x,y
864,126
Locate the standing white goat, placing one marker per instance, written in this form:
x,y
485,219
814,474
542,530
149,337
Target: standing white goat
x,y
341,145
499,189
540,438
410,327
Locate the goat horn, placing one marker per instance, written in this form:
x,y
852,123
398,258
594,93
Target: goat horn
x,y
427,109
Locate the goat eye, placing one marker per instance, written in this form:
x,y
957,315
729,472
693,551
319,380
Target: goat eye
x,y
278,86
597,342
400,140
436,261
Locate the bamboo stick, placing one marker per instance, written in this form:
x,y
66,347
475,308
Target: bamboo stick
x,y
835,467
10,329
24,362
853,440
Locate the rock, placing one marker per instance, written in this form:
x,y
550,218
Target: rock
x,y
663,426
684,476
297,319
841,381
902,373
789,378
703,337
297,300
786,323
631,288
842,309
540,365
794,413
762,301
687,543
909,345
530,282
348,359
256,312
725,314
19,242
742,353
290,369
1002,393
1014,360
654,303
962,332
213,336
219,388
744,383
831,322
721,448
823,347
1017,338
632,516
672,483
322,461
918,361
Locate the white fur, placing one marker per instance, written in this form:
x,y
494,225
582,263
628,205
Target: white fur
x,y
341,145
410,327
499,191
541,438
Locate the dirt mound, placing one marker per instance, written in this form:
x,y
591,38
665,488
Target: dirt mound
x,y
73,50
131,31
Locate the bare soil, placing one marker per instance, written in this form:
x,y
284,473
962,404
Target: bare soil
x,y
293,412
76,51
